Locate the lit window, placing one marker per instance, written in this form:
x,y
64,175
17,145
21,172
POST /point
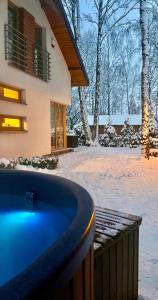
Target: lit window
x,y
7,93
9,123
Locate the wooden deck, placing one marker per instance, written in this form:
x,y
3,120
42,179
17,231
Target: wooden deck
x,y
62,151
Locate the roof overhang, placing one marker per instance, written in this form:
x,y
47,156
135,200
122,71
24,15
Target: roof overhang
x,y
59,23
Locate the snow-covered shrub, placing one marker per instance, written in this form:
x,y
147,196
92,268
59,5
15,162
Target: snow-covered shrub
x,y
47,162
153,135
81,136
110,137
135,140
71,132
6,163
128,136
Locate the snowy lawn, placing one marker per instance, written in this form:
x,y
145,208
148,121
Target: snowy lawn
x,y
118,178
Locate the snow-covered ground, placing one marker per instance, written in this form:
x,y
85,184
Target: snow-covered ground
x,y
118,178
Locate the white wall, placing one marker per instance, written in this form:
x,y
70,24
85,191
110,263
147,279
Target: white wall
x,y
38,93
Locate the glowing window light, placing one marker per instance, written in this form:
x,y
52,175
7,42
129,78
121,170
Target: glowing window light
x,y
11,94
9,122
25,125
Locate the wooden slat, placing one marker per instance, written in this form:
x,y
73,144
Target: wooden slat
x,y
78,285
130,266
136,260
111,224
87,276
119,249
120,214
92,273
106,274
117,219
117,234
64,126
113,278
107,231
98,284
125,258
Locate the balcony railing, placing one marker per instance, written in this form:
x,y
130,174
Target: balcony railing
x,y
41,63
29,58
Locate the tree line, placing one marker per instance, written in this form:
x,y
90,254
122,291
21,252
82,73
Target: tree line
x,y
118,41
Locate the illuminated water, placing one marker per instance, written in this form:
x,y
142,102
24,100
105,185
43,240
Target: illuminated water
x,y
25,235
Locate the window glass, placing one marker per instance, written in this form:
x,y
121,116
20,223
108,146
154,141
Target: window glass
x,y
12,16
10,93
8,123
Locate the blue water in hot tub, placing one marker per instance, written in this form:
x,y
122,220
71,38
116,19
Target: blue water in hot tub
x,y
25,235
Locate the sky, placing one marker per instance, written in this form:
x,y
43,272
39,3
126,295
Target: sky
x,y
87,7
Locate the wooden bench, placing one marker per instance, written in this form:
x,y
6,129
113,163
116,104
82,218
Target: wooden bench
x,y
116,250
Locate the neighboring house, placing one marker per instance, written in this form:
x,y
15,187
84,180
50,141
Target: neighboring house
x,y
117,121
39,63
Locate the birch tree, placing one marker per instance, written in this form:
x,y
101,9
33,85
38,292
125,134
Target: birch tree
x,y
145,78
73,8
109,14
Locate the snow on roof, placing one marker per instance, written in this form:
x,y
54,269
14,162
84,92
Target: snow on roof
x,y
117,119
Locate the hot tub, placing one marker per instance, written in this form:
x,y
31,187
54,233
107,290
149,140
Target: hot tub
x,y
46,233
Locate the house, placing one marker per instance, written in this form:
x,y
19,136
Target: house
x,y
117,121
39,63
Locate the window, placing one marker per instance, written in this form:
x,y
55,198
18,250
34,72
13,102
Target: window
x,y
10,123
25,44
12,16
41,56
57,119
15,40
11,94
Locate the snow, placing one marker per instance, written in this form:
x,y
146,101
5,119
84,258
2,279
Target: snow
x,y
117,119
4,161
118,178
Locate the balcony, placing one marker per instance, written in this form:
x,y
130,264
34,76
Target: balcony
x,y
29,58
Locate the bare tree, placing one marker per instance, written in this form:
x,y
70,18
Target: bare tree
x,y
145,77
73,8
109,14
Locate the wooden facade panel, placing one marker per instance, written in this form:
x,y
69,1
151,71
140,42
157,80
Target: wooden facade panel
x,y
63,33
98,283
106,274
27,27
65,126
130,266
116,258
136,263
119,248
113,277
80,287
117,127
125,259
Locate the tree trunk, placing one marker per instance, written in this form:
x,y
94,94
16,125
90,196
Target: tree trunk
x,y
84,116
145,78
108,70
76,26
127,95
98,71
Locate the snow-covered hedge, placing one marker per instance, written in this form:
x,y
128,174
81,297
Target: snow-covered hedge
x,y
47,162
81,136
127,138
6,163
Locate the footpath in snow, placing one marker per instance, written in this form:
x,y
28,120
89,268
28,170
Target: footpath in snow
x,y
118,178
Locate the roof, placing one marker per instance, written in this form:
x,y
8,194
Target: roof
x,y
61,28
117,119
